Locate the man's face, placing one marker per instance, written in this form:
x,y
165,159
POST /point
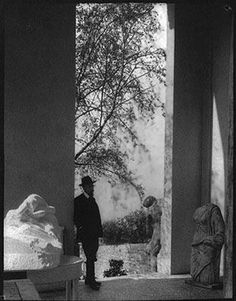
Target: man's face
x,y
89,189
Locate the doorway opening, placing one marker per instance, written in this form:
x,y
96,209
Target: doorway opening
x,y
120,123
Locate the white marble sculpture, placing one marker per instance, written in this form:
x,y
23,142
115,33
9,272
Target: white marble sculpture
x,y
32,236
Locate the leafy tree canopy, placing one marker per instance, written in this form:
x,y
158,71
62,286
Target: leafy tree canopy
x,y
117,68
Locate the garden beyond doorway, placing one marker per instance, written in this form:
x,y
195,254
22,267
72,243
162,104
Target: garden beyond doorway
x,y
120,120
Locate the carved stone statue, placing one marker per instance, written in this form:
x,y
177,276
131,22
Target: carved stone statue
x,y
32,236
154,214
207,244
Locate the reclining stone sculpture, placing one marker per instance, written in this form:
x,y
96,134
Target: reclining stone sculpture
x,y
32,236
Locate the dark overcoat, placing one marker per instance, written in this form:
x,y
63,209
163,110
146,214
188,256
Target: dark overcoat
x,y
87,218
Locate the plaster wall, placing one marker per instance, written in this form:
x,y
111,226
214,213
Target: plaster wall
x,y
117,200
39,106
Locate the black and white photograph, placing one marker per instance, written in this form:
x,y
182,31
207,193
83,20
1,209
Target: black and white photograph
x,y
118,150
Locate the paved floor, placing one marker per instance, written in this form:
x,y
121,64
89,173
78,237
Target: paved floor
x,y
124,288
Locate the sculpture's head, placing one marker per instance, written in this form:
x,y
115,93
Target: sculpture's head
x,y
34,214
149,201
154,209
34,206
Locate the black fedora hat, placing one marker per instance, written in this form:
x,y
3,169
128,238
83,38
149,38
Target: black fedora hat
x,y
86,181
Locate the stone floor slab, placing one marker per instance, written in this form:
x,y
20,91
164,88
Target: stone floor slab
x,y
140,289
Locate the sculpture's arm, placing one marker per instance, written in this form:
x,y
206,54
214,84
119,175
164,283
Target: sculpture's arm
x,y
218,227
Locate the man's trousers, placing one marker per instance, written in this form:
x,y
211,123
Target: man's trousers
x,y
90,247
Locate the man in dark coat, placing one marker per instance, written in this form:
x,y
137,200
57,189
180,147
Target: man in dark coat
x,y
87,220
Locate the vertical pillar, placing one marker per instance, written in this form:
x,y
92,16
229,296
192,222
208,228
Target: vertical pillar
x,y
39,106
1,143
222,82
229,225
191,127
169,103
